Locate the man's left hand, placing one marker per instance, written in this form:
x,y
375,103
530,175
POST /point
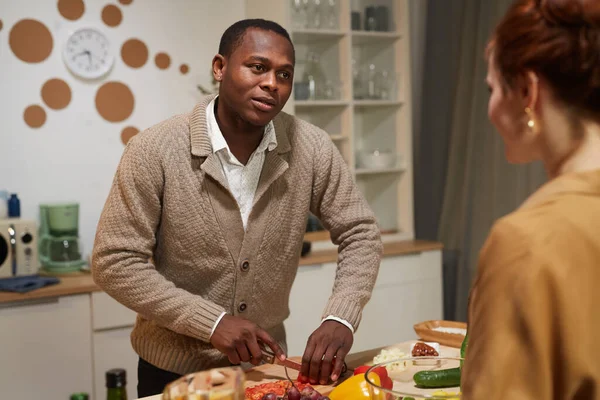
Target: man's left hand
x,y
325,352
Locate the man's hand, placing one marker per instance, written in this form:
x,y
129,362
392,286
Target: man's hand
x,y
239,339
325,352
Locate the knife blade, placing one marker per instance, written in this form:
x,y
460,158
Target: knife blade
x,y
270,358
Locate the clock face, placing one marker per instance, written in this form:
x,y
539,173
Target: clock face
x,y
87,53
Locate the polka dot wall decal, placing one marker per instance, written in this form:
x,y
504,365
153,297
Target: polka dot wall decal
x,y
56,93
30,41
34,116
134,53
128,133
114,101
71,9
162,60
125,2
184,69
111,15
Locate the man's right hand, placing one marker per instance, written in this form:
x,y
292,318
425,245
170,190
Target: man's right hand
x,y
239,338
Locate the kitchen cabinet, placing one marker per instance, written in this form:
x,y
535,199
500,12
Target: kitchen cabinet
x,y
112,324
408,290
64,342
46,348
112,349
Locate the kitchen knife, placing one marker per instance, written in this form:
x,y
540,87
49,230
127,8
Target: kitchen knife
x,y
270,358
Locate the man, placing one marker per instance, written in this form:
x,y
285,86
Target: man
x,y
202,230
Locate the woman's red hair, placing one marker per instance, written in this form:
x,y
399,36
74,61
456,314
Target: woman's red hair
x,y
557,39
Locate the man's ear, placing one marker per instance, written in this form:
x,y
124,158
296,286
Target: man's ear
x,y
530,89
218,67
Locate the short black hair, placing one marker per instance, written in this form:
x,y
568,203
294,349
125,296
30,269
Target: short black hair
x,y
234,35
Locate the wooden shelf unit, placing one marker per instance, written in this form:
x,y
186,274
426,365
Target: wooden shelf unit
x,y
355,123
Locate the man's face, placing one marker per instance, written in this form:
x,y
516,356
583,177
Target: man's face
x,y
256,78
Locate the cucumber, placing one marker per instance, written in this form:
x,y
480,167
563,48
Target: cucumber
x,y
438,379
463,348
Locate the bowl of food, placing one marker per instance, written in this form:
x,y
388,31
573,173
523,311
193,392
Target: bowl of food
x,y
416,378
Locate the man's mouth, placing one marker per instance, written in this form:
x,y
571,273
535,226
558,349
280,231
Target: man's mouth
x,y
263,104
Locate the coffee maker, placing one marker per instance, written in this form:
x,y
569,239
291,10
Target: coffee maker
x,y
60,248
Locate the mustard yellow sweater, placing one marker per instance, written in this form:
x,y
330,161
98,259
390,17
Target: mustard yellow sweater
x,y
171,246
534,309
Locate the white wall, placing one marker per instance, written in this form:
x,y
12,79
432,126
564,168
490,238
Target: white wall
x,y
73,156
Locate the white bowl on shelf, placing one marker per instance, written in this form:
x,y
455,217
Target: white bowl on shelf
x,y
377,159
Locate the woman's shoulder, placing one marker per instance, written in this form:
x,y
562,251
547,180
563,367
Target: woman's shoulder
x,y
538,240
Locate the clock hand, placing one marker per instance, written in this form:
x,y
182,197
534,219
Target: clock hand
x,y
79,54
96,57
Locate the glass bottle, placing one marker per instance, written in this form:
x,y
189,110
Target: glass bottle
x,y
79,396
116,382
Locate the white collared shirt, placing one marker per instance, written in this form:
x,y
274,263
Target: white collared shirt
x,y
242,179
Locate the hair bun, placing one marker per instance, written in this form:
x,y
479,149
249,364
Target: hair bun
x,y
572,12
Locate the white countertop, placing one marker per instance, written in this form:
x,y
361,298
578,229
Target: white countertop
x,y
155,397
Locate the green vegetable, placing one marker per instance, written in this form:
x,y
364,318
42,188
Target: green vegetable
x,y
438,379
463,348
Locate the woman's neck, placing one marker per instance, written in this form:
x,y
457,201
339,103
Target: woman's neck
x,y
582,155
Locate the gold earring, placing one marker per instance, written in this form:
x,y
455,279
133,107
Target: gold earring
x,y
531,122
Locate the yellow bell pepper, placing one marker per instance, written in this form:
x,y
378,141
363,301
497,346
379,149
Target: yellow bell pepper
x,y
444,393
356,388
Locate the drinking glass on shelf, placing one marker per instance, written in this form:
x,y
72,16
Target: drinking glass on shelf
x,y
299,13
331,14
371,84
315,14
386,85
332,90
357,80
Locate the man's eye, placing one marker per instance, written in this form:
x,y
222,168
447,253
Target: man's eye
x,y
285,75
258,67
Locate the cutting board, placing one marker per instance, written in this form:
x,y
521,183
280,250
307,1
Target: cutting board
x,y
272,372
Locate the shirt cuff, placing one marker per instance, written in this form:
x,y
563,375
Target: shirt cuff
x,y
216,323
331,317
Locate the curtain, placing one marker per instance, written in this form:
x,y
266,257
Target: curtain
x,y
462,180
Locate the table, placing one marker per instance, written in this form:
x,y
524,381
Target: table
x,y
364,357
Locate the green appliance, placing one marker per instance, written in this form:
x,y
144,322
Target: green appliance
x,y
59,246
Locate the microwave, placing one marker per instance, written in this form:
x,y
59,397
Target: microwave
x,y
18,247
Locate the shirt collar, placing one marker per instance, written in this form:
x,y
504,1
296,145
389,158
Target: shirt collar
x,y
218,142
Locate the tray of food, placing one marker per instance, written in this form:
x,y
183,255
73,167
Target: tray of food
x,y
448,333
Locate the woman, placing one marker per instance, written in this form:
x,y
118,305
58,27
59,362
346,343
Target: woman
x,y
534,309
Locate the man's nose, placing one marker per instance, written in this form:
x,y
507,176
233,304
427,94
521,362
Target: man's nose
x,y
270,82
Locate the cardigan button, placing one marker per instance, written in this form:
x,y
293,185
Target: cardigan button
x,y
245,265
242,307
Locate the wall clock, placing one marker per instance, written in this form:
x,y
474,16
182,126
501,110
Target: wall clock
x,y
87,53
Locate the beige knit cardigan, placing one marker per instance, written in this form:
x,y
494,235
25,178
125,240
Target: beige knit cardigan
x,y
171,246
